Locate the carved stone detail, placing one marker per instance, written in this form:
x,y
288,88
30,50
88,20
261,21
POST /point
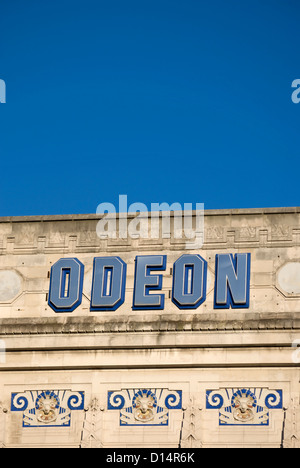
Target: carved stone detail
x,y
191,427
291,431
3,414
92,426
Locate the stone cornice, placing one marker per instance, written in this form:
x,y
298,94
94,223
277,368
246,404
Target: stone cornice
x,y
221,322
93,216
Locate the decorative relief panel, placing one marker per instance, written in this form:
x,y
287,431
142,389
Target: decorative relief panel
x,y
245,406
48,408
288,279
10,285
192,425
92,426
145,407
291,433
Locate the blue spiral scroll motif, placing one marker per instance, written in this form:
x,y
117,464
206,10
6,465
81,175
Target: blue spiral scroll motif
x,y
274,400
214,400
19,402
76,401
174,400
116,401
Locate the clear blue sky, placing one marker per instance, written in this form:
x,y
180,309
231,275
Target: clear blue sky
x,y
162,100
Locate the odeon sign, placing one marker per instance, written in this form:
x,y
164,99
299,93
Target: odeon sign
x,y
232,282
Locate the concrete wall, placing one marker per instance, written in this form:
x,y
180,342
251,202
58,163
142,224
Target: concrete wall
x,y
206,378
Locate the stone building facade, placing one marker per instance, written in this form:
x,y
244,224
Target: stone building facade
x,y
197,376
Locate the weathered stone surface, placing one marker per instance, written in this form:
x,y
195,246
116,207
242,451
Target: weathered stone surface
x,y
43,355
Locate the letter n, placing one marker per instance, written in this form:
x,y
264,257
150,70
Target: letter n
x,y
232,281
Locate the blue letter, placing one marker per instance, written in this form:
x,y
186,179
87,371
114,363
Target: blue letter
x,y
144,282
2,92
189,281
232,285
66,281
109,280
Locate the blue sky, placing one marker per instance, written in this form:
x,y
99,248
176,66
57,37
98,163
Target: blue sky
x,y
164,101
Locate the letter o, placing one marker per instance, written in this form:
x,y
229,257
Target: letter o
x,y
66,282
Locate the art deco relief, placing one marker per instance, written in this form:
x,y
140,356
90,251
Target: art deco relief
x,y
146,407
244,406
48,408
